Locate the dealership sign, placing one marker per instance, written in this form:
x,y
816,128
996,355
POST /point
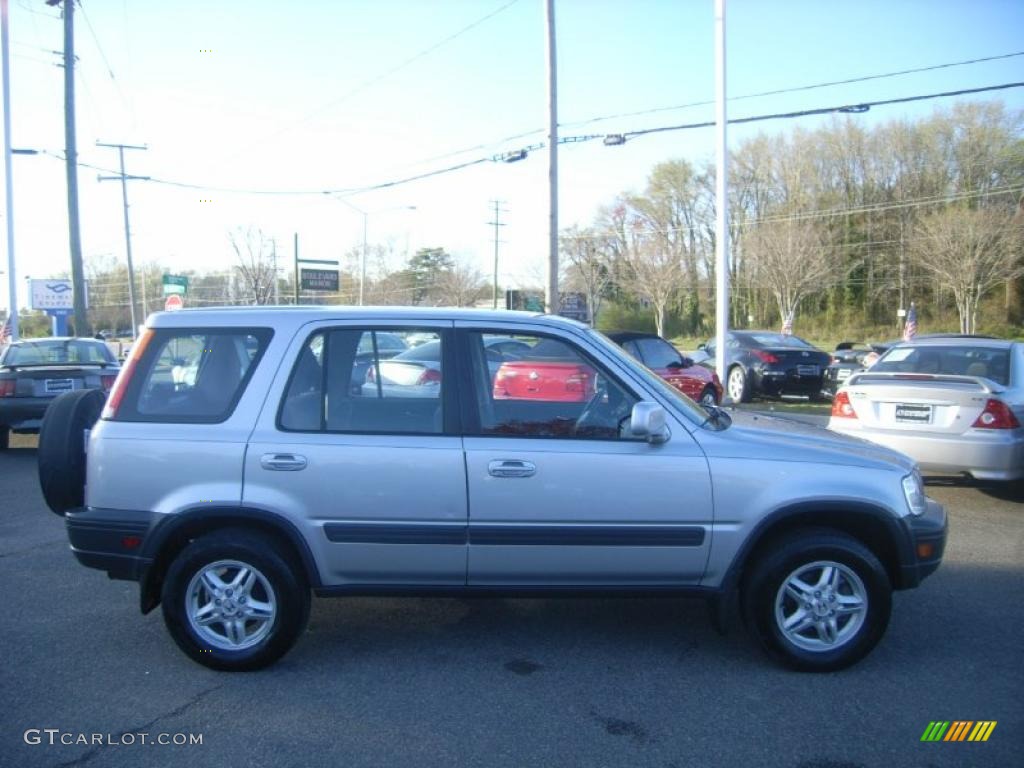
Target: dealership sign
x,y
319,280
50,295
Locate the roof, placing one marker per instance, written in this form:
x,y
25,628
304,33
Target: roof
x,y
956,341
258,315
621,336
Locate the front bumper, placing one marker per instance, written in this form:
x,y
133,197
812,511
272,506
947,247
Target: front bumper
x,y
927,535
110,540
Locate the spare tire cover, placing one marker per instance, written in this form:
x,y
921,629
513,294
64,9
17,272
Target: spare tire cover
x,y
62,447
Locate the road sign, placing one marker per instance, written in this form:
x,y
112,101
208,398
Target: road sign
x,y
530,301
175,285
319,279
574,305
173,302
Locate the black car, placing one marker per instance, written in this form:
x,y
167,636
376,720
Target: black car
x,y
768,363
34,371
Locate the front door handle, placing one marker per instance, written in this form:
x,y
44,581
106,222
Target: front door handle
x,y
283,462
511,468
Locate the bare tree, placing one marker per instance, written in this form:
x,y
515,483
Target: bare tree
x,y
969,252
459,286
648,269
792,259
255,265
588,266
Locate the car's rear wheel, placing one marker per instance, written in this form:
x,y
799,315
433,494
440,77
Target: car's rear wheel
x,y
61,452
233,600
708,397
737,385
818,601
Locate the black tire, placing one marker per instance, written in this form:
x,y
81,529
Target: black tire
x,y
280,584
5,438
743,389
61,451
858,574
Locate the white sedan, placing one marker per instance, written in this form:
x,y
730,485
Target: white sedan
x,y
954,404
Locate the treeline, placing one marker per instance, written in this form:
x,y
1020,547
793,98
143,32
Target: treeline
x,y
841,225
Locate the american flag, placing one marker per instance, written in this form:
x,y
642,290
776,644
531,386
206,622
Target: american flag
x,y
5,332
787,324
910,326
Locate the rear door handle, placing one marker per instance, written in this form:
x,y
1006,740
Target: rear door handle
x,y
511,468
283,462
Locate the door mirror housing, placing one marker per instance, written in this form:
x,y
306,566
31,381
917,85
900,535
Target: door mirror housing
x,y
648,421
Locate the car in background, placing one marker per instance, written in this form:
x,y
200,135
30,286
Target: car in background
x,y
771,364
549,371
416,372
388,345
34,371
695,381
955,404
848,358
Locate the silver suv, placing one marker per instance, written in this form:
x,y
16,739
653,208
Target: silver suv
x,y
247,457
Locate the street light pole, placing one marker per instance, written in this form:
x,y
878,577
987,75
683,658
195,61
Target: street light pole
x,y
362,260
12,285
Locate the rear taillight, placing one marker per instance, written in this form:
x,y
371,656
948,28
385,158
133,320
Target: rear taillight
x,y
107,382
841,406
764,357
121,384
429,376
7,387
578,381
997,415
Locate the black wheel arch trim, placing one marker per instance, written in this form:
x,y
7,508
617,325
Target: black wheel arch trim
x,y
903,574
214,517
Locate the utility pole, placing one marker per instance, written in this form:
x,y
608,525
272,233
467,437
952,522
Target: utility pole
x,y
127,232
273,257
296,269
553,304
71,164
498,210
12,281
721,200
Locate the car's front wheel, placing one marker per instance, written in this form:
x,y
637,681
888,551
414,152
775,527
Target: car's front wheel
x,y
708,397
818,601
232,600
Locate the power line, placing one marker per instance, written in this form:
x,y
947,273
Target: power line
x,y
799,88
384,75
523,152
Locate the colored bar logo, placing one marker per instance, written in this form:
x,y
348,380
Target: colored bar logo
x,y
958,730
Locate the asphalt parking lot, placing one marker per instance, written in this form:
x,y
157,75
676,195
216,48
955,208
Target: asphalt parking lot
x,y
445,682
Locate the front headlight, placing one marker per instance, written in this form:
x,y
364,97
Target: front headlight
x,y
913,490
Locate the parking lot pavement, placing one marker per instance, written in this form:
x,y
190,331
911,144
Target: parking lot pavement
x,y
444,682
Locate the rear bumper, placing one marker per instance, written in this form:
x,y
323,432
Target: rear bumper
x,y
928,533
19,412
110,540
992,455
783,383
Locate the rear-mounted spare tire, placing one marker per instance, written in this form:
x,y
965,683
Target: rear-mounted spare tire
x,y
62,447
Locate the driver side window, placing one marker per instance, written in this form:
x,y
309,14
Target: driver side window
x,y
541,386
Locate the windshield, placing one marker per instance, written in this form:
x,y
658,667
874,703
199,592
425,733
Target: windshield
x,y
58,352
983,362
694,412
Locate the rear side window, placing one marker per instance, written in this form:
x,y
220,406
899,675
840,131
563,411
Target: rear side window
x,y
366,381
193,375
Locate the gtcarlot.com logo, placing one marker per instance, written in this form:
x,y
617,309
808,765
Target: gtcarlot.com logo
x,y
54,736
958,730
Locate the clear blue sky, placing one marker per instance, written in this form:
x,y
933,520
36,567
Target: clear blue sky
x,y
318,95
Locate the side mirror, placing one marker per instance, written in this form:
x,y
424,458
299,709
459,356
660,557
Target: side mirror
x,y
702,347
648,421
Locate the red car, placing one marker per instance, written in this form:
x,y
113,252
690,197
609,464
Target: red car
x,y
695,381
550,372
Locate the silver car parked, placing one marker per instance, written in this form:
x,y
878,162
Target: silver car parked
x,y
954,404
232,495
